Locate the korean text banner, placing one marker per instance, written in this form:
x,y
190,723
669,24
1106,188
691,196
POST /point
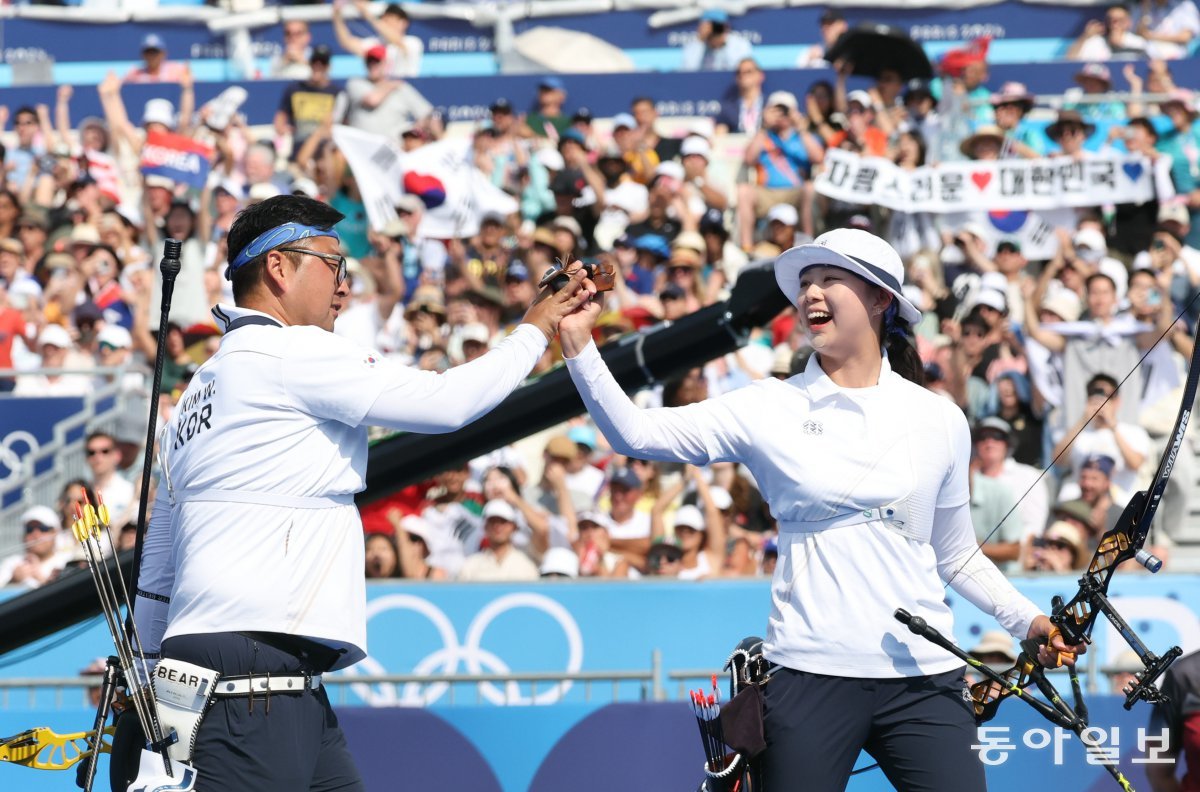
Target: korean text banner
x,y
177,157
1011,184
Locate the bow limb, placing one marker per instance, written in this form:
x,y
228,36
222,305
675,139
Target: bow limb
x,y
44,749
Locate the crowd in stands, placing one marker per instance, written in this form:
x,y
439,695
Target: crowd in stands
x,y
1033,351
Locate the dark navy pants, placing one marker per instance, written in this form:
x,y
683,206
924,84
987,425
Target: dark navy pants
x,y
294,747
919,729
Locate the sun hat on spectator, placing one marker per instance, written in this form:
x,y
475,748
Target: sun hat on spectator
x,y
517,272
36,217
159,181
321,53
783,213
654,244
582,116
690,240
261,192
10,245
685,257
783,99
987,132
595,517
420,528
1013,92
159,111
1077,509
861,98
713,222
567,223
995,424
625,477
42,515
84,234
1062,531
1095,71
426,299
375,53
476,332
545,236
583,435
562,447
572,136
306,187
1175,211
623,121
718,15
500,508
153,41
55,335
695,145
859,252
1183,98
1063,303
917,87
994,642
551,84
115,336
559,561
671,169
230,187
689,516
990,298
410,203
1054,131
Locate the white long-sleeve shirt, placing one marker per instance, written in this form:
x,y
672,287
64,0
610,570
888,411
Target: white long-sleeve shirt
x,y
822,453
254,527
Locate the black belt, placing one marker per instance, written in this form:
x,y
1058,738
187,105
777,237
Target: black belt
x,y
315,655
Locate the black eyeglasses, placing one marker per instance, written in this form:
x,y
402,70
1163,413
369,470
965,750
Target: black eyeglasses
x,y
337,262
37,526
94,451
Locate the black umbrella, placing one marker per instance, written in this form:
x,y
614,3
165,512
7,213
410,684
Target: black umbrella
x,y
873,48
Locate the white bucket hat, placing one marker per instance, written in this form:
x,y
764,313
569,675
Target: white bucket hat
x,y
859,252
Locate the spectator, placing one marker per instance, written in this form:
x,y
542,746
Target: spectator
x,y
630,528
995,650
415,540
1122,671
559,562
382,105
782,223
21,161
1168,26
583,480
993,449
1013,401
401,54
1097,495
1095,80
547,119
1177,141
743,111
783,153
40,561
1133,224
716,47
668,213
998,532
309,103
1175,720
638,154
500,561
1070,132
1060,549
700,193
54,345
1104,41
596,556
1097,345
1012,104
663,560
103,459
833,25
645,113
294,61
383,561
1101,438
12,327
156,68
985,144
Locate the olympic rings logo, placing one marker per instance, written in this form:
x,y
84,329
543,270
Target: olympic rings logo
x,y
11,466
475,659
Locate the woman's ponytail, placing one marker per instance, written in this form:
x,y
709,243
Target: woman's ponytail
x,y
900,347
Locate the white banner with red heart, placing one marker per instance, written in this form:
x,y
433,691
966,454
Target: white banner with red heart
x,y
996,185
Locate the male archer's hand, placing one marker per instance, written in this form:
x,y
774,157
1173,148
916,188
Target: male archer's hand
x,y
1055,652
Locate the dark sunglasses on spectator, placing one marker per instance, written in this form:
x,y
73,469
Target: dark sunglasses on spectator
x,y
107,347
32,527
94,451
993,436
